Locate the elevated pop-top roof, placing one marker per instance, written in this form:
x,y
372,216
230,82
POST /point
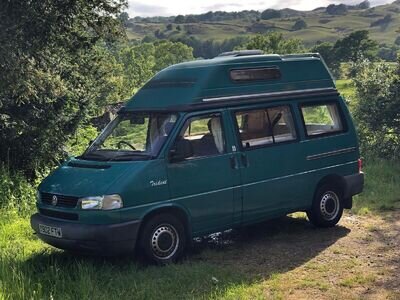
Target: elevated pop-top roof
x,y
201,82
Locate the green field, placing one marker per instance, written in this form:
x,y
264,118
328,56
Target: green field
x,y
276,259
321,26
279,259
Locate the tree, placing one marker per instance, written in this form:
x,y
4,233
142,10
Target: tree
x,y
364,5
326,50
124,18
299,25
397,41
274,43
137,62
377,109
270,14
52,74
340,9
355,46
169,26
388,53
179,19
383,23
168,53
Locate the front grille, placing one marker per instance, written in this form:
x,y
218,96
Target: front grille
x,y
58,214
62,201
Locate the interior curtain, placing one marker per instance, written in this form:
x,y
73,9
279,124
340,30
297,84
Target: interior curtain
x,y
334,114
217,134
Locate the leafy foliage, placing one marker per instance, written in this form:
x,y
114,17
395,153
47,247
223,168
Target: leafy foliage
x,y
356,45
300,24
52,74
327,52
377,110
167,53
274,43
211,48
384,22
17,195
340,9
351,48
138,63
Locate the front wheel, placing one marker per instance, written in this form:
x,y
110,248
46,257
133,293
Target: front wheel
x,y
163,239
327,207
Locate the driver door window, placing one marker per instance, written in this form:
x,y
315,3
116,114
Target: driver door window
x,y
205,135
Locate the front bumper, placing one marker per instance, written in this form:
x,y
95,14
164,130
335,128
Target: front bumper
x,y
111,239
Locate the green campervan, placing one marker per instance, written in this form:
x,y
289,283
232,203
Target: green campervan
x,y
206,146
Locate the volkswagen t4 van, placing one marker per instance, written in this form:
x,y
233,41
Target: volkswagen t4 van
x,y
203,147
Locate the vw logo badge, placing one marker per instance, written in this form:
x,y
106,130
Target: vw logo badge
x,y
54,200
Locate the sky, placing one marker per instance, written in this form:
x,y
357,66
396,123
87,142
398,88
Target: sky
x,y
146,8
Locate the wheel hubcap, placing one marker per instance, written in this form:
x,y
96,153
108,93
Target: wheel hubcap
x,y
164,241
329,205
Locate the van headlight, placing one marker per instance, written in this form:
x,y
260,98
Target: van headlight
x,y
106,202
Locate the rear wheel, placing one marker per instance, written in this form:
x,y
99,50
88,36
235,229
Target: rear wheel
x,y
327,207
163,239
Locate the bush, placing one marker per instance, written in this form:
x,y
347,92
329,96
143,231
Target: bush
x,y
179,19
274,43
340,9
299,25
17,195
377,111
384,22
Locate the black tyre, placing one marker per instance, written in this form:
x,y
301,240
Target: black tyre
x,y
327,207
163,239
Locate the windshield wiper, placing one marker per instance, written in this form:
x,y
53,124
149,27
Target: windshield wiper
x,y
94,156
127,155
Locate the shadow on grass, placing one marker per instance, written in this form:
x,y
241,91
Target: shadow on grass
x,y
213,266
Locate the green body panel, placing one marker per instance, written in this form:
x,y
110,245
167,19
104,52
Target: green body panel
x,y
221,191
206,187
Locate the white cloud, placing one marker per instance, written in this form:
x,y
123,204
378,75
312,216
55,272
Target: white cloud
x,y
146,8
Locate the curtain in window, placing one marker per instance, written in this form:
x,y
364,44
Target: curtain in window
x,y
217,134
334,114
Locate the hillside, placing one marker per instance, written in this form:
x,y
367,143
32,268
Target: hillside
x,y
383,22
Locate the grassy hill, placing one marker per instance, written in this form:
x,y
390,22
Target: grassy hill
x,y
321,26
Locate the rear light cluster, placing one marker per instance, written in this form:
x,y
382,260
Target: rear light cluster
x,y
359,165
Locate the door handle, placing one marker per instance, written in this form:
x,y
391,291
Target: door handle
x,y
234,164
245,161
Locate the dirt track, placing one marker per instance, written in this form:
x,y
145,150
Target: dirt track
x,y
291,259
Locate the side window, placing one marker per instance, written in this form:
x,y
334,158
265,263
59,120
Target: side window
x,y
265,126
204,135
321,119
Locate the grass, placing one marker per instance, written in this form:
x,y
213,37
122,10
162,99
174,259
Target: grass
x,y
273,261
280,259
382,187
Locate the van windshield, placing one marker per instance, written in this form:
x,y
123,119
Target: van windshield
x,y
132,136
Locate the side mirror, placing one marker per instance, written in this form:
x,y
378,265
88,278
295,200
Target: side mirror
x,y
182,149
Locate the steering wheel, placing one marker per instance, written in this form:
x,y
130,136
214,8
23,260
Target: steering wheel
x,y
126,143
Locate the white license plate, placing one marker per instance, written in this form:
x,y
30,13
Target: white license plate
x,y
50,231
